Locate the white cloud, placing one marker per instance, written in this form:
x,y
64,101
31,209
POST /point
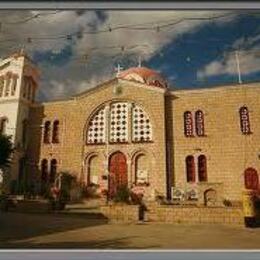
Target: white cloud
x,y
100,63
249,60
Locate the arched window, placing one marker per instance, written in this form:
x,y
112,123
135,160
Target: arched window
x,y
141,169
14,84
53,170
7,83
24,132
244,120
55,133
3,124
44,170
2,82
47,132
113,120
202,168
188,124
199,119
190,169
251,179
141,125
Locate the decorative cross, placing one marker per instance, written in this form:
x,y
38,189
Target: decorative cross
x,y
118,69
139,61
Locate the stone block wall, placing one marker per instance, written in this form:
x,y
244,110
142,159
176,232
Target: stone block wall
x,y
196,215
121,213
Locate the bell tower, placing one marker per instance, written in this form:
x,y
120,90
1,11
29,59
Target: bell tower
x,y
19,79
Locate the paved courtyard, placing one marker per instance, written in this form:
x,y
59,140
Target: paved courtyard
x,y
19,230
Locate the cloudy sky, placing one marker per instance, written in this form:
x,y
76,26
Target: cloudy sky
x,y
76,50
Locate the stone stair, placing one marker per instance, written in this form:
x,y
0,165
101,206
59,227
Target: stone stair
x,y
150,214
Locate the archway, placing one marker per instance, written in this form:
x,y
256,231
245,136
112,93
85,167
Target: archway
x,y
117,173
251,179
94,170
141,169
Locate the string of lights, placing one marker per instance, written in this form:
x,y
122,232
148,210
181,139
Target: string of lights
x,y
156,26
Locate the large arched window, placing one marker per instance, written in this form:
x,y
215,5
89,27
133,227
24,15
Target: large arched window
x,y
3,125
111,123
44,170
251,179
244,120
53,170
202,168
190,169
55,133
47,132
188,124
199,120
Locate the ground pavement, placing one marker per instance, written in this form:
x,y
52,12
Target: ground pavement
x,y
20,230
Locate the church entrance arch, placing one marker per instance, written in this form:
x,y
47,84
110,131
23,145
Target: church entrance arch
x,y
117,173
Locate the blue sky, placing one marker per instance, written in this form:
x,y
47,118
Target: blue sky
x,y
76,50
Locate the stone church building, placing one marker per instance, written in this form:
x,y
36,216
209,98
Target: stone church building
x,y
134,130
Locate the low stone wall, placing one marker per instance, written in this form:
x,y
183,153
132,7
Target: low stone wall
x,y
121,213
196,215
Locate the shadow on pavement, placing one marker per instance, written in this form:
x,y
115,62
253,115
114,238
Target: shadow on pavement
x,y
19,226
118,243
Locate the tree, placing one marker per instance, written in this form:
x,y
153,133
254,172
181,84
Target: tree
x,y
6,150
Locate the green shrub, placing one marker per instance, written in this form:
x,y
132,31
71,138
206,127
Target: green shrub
x,y
122,195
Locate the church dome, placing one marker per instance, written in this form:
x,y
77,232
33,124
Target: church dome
x,y
143,75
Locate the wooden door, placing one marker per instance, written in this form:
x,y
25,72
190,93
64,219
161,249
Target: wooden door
x,y
117,173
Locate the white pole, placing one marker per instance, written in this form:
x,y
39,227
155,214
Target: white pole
x,y
107,138
238,67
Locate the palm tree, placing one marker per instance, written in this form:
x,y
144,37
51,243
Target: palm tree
x,y
6,150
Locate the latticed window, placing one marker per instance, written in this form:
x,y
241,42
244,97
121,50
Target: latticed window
x,y
188,124
119,122
97,128
114,121
244,120
47,132
142,128
199,119
55,133
202,168
190,169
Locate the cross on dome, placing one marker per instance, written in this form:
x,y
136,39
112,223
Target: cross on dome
x,y
118,69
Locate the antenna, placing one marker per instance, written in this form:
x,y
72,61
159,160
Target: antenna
x,y
238,67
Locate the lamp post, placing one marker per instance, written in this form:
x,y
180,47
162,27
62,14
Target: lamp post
x,y
107,149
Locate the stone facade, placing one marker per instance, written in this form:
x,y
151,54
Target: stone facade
x,y
159,158
227,150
